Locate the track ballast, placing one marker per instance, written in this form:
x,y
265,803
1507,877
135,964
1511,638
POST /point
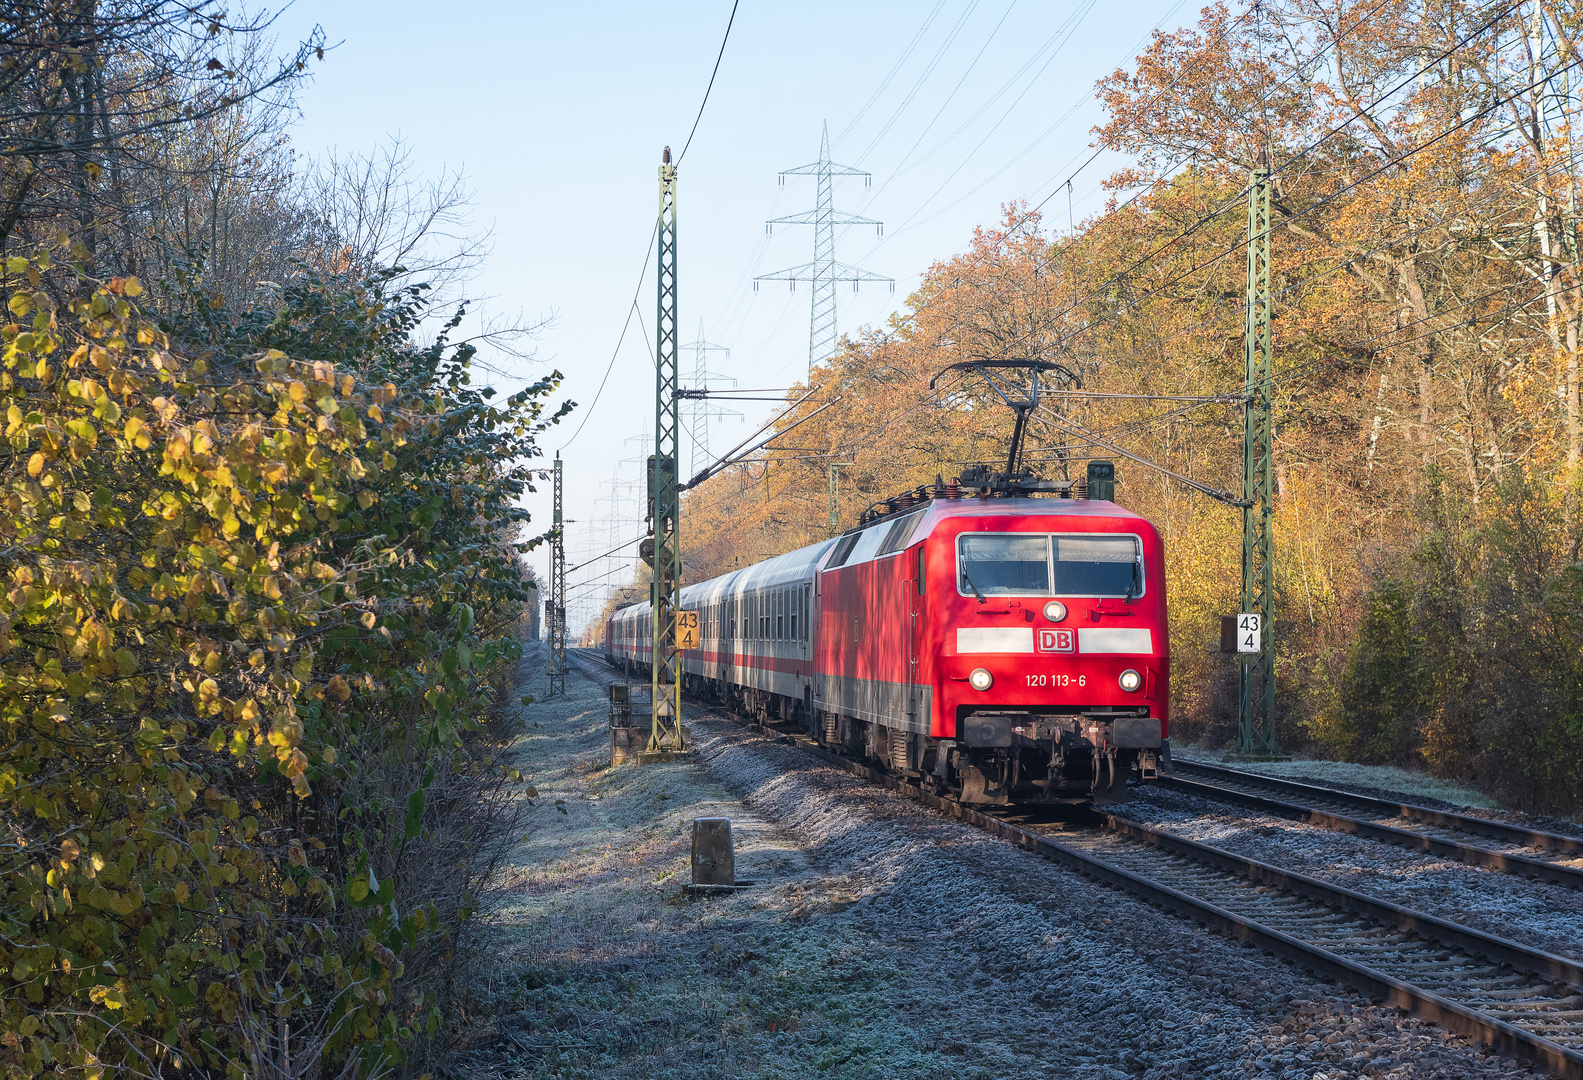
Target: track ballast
x,y
1474,840
1521,1001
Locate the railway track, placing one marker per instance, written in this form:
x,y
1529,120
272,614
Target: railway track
x,y
1522,1001
1492,844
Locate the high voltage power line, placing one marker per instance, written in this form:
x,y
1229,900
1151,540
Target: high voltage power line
x,y
1120,276
756,256
1394,160
1307,283
1172,168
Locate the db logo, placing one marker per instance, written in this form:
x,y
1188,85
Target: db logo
x,y
1055,641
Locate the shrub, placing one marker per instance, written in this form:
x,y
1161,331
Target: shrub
x,y
260,616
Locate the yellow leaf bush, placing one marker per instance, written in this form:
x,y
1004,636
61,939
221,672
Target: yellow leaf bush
x,y
252,606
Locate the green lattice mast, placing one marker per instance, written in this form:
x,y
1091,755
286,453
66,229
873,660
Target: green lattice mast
x,y
1256,690
665,687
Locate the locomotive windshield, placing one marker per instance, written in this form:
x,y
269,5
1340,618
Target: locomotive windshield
x,y
1020,564
1004,564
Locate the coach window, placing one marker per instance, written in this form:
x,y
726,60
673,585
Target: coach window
x,y
918,577
780,614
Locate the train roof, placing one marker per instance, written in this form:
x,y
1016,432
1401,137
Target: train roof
x,y
799,565
787,569
794,566
974,507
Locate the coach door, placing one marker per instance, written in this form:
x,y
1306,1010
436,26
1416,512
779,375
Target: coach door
x,y
820,690
912,598
728,627
804,617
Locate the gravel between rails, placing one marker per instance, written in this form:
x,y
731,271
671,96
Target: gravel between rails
x,y
1535,913
884,941
1414,788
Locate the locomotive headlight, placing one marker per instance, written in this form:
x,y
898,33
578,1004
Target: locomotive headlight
x,y
981,679
1130,681
1055,611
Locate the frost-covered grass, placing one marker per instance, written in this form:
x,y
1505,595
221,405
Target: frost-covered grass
x,y
1382,777
602,969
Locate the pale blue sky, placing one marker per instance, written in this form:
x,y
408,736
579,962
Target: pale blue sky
x,y
558,114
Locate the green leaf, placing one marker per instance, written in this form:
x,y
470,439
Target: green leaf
x,y
414,814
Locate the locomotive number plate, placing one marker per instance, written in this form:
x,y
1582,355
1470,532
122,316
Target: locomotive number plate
x,y
1057,640
1058,679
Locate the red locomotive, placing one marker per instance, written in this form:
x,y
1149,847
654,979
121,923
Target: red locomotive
x,y
995,646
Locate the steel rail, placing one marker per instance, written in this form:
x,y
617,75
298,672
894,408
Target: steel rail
x,y
1467,823
1540,988
1416,928
1489,858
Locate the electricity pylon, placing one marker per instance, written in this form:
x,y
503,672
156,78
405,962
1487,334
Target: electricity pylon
x,y
699,410
1256,685
824,272
665,687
